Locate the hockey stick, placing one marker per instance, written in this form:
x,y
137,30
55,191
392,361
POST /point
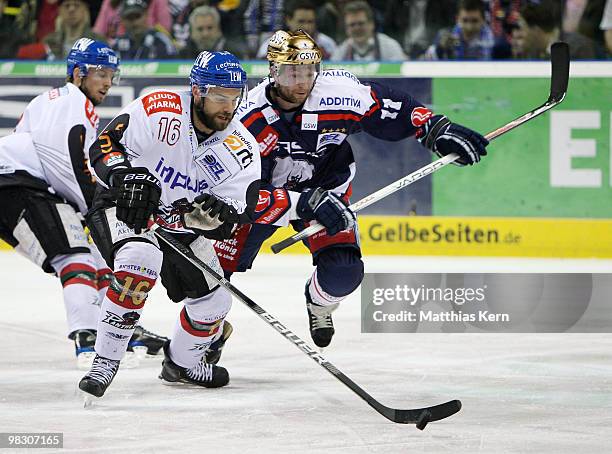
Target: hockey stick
x,y
559,56
418,416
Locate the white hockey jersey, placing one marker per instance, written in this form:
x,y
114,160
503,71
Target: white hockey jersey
x,y
155,131
50,143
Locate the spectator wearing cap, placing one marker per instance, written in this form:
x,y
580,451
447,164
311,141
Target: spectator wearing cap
x,y
470,39
540,26
140,42
108,23
206,34
73,22
301,15
363,43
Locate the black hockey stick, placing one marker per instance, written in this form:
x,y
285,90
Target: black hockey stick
x,y
559,56
418,416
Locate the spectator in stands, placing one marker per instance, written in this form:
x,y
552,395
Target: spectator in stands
x,y
230,12
141,42
503,20
13,33
589,20
606,26
470,39
73,22
261,19
109,24
46,14
540,26
330,16
414,24
301,15
206,34
180,25
363,43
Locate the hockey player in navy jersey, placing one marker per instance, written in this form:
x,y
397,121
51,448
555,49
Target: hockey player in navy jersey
x,y
46,189
183,158
301,117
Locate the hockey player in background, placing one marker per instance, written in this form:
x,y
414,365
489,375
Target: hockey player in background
x,y
301,117
183,157
46,189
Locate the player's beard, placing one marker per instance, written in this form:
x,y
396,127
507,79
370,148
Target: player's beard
x,y
287,96
211,122
87,93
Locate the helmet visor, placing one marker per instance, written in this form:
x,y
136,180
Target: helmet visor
x,y
100,72
291,75
222,95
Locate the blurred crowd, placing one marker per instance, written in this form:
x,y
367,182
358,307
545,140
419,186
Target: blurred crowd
x,y
388,30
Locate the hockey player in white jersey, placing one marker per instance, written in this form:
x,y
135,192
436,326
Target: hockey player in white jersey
x,y
182,158
46,187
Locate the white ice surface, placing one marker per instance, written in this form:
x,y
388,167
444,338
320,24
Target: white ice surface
x,y
520,392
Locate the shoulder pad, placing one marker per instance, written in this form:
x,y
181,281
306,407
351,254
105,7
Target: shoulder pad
x,y
339,76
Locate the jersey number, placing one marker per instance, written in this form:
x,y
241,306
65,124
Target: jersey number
x,y
169,130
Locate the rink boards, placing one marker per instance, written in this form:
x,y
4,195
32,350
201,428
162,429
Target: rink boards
x,y
543,191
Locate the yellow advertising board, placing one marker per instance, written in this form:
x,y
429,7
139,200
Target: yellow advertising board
x,y
474,236
478,236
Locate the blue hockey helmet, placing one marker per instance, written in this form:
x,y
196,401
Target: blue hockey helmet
x,y
217,69
87,53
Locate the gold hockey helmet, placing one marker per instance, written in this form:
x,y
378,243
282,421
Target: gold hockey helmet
x,y
293,48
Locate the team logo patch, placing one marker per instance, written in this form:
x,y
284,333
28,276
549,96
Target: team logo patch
x,y
112,158
162,101
267,140
420,115
233,142
128,321
310,122
264,200
270,115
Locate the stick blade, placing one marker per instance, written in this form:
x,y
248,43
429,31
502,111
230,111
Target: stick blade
x,y
422,416
560,59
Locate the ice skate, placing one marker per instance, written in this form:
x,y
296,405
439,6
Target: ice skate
x,y
143,342
320,321
202,374
99,377
84,341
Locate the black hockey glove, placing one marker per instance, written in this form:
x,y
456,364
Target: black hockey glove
x,y
327,209
137,194
211,217
443,137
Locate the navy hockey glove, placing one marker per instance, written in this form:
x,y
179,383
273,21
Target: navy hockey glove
x,y
443,137
137,193
211,217
327,209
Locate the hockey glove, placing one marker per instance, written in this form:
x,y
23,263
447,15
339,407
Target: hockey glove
x,y
209,214
137,194
327,209
443,137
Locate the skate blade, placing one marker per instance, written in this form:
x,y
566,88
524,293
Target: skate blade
x,y
88,400
85,360
130,360
140,352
